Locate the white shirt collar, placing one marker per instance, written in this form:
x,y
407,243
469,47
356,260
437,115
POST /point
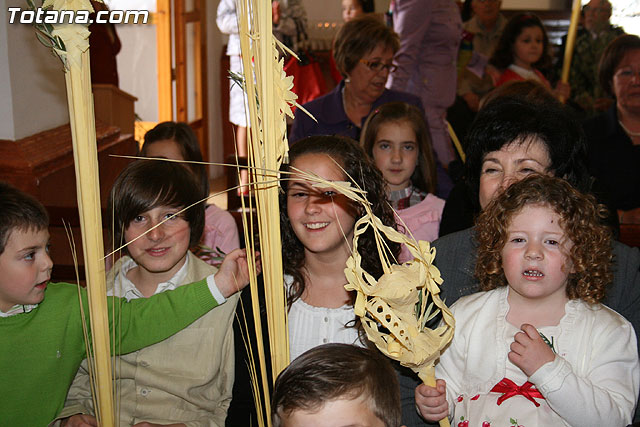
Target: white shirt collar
x,y
123,287
18,309
526,74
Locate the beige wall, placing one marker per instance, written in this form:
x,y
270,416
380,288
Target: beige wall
x,y
31,81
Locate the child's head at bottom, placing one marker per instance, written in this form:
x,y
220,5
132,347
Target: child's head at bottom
x,y
540,230
25,265
337,384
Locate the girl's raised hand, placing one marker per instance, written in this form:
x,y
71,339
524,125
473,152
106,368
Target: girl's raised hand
x,y
431,402
233,274
528,350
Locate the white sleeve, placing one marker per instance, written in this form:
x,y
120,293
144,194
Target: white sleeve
x,y
227,18
607,394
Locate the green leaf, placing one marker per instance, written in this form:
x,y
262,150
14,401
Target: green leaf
x,y
44,40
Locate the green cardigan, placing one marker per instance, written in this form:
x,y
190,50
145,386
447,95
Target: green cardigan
x,y
42,350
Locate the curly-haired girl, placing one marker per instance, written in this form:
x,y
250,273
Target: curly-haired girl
x,y
317,230
537,348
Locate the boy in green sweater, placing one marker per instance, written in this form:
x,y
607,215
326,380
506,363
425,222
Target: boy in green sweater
x,y
40,322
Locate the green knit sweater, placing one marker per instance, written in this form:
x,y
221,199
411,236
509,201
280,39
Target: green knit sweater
x,y
41,351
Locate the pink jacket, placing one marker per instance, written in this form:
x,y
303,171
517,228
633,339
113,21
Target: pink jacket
x,y
423,220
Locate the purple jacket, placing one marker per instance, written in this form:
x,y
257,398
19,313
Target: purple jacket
x,y
332,119
430,33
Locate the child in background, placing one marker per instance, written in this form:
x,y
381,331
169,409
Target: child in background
x,y
337,384
396,137
317,232
41,325
177,141
538,349
523,49
352,9
188,377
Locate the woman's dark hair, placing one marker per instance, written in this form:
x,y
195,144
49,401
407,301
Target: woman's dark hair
x,y
185,137
503,55
611,57
580,218
358,37
424,176
508,120
146,184
348,154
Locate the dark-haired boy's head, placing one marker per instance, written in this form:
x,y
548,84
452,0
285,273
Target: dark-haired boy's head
x,y
25,265
19,211
147,184
338,380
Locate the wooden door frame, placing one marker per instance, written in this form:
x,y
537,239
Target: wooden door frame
x,y
166,72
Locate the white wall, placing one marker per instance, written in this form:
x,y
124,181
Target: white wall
x,y
6,106
137,67
214,44
35,78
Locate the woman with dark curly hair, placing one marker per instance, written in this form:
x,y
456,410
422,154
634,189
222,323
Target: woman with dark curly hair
x,y
544,259
317,230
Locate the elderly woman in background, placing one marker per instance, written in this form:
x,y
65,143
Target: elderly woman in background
x,y
363,51
613,138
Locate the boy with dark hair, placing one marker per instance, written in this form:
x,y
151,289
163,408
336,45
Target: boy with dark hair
x,y
192,386
337,384
41,324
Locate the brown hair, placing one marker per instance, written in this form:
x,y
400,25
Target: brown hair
x,y
424,175
146,184
580,218
611,57
338,371
184,136
19,210
350,156
529,90
503,55
358,37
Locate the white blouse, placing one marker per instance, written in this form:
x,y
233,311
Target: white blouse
x,y
311,326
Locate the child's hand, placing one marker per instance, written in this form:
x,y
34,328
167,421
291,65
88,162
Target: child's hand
x,y
562,90
233,274
431,402
528,351
80,420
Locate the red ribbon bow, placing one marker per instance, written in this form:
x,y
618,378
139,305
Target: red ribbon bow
x,y
510,389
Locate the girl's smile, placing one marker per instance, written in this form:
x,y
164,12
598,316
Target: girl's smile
x,y
320,217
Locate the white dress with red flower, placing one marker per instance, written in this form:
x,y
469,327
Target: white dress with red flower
x,y
593,381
